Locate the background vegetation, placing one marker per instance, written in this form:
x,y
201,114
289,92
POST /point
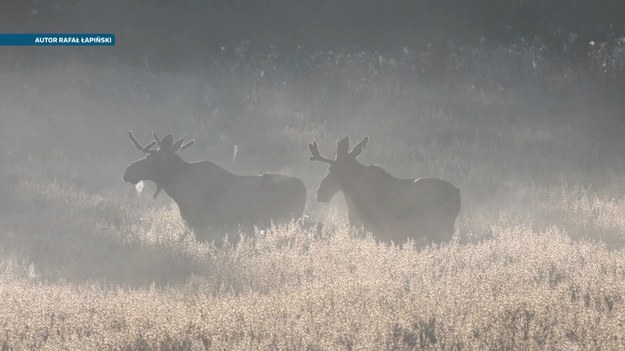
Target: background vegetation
x,y
529,127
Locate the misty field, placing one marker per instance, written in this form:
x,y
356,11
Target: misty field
x,y
533,138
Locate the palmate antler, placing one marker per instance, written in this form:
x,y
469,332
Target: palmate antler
x,y
341,150
316,156
167,143
146,148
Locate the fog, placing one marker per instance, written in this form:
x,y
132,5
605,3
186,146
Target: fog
x,y
518,104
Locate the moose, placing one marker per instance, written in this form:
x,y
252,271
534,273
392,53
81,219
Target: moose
x,y
392,209
211,199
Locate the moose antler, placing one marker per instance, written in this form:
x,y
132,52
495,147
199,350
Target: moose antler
x,y
158,141
186,145
146,148
179,146
316,156
359,147
167,143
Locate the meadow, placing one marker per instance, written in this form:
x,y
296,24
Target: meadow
x,y
531,136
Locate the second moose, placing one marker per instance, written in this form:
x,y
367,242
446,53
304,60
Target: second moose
x,y
393,209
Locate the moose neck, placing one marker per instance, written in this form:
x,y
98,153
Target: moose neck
x,y
204,173
168,176
366,192
366,181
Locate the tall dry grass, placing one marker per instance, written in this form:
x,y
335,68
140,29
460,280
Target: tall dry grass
x,y
293,289
530,136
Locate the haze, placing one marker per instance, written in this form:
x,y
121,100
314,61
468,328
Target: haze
x,y
518,104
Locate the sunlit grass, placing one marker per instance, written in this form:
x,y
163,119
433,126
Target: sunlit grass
x,y
536,262
535,290
295,288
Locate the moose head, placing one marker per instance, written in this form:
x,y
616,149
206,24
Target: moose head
x,y
342,168
160,165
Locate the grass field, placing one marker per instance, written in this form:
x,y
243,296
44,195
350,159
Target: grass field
x,y
532,138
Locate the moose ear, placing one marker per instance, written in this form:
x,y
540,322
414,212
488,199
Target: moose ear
x,y
167,142
342,147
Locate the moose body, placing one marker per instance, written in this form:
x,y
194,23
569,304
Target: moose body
x,y
393,209
212,200
224,199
